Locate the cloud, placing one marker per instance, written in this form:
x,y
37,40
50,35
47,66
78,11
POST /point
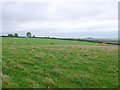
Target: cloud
x,y
56,1
58,17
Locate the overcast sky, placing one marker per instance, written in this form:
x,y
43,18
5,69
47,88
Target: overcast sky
x,y
61,18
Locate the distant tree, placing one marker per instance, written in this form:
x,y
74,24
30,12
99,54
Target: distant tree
x,y
10,35
28,34
33,36
16,35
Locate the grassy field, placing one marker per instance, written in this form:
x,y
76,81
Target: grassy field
x,y
41,63
38,41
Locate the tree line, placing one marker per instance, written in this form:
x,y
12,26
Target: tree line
x,y
107,41
28,34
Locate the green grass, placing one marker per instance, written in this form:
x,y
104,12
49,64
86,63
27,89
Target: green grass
x,y
36,63
0,63
38,41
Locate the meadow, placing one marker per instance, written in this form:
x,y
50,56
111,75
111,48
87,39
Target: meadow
x,y
50,63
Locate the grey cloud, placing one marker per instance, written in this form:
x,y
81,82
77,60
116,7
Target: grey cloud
x,y
51,18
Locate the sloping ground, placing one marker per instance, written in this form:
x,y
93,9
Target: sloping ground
x,y
60,66
39,41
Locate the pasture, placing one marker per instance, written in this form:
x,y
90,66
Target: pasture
x,y
43,63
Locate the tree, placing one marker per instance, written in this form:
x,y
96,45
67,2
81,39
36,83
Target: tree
x,y
33,36
10,35
16,35
28,34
